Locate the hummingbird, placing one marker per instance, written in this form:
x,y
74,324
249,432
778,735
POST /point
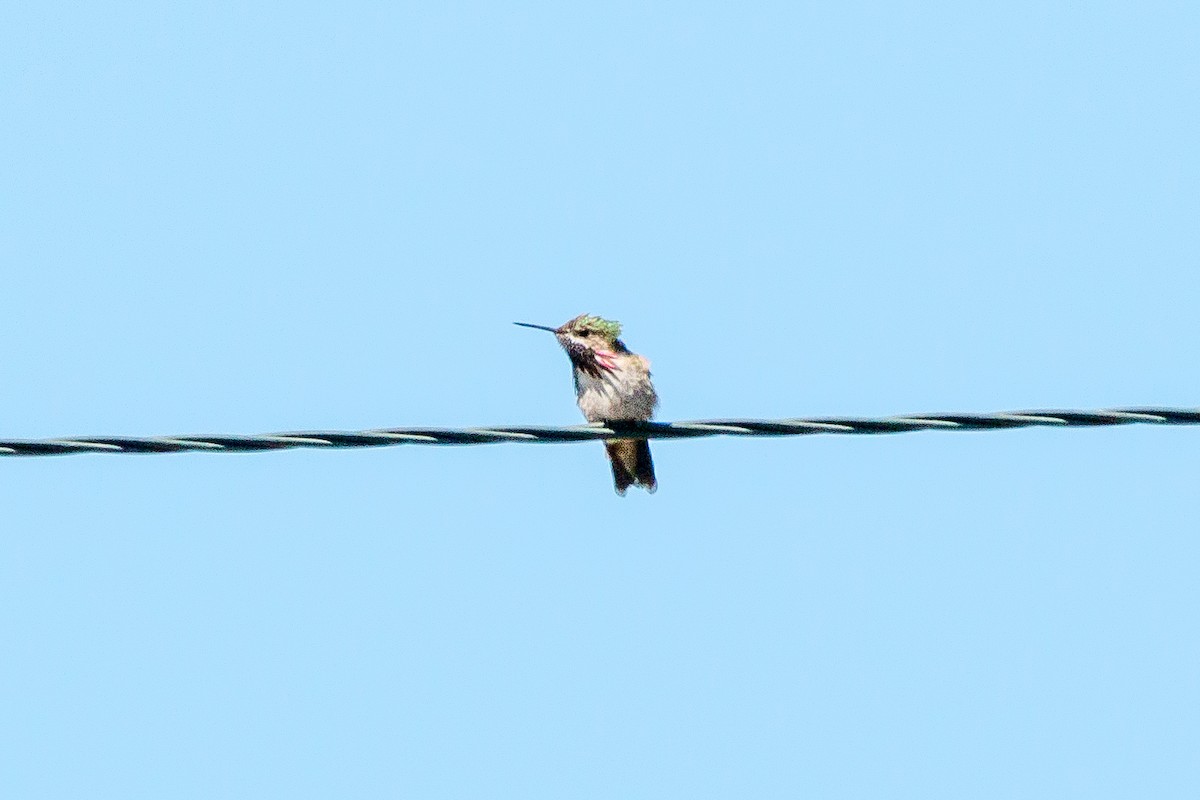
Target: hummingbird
x,y
611,384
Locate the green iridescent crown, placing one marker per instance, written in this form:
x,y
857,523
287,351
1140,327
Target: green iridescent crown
x,y
610,329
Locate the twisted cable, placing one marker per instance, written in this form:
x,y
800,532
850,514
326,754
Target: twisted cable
x,y
225,443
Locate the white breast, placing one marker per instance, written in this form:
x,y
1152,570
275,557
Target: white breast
x,y
620,394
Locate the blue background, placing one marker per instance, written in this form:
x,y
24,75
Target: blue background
x,y
232,218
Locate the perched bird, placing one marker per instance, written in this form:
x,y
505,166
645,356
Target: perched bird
x,y
611,384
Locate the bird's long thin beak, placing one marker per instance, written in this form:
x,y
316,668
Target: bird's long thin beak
x,y
539,327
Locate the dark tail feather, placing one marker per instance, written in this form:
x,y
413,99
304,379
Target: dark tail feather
x,y
631,464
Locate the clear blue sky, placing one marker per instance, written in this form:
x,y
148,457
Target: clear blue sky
x,y
245,218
